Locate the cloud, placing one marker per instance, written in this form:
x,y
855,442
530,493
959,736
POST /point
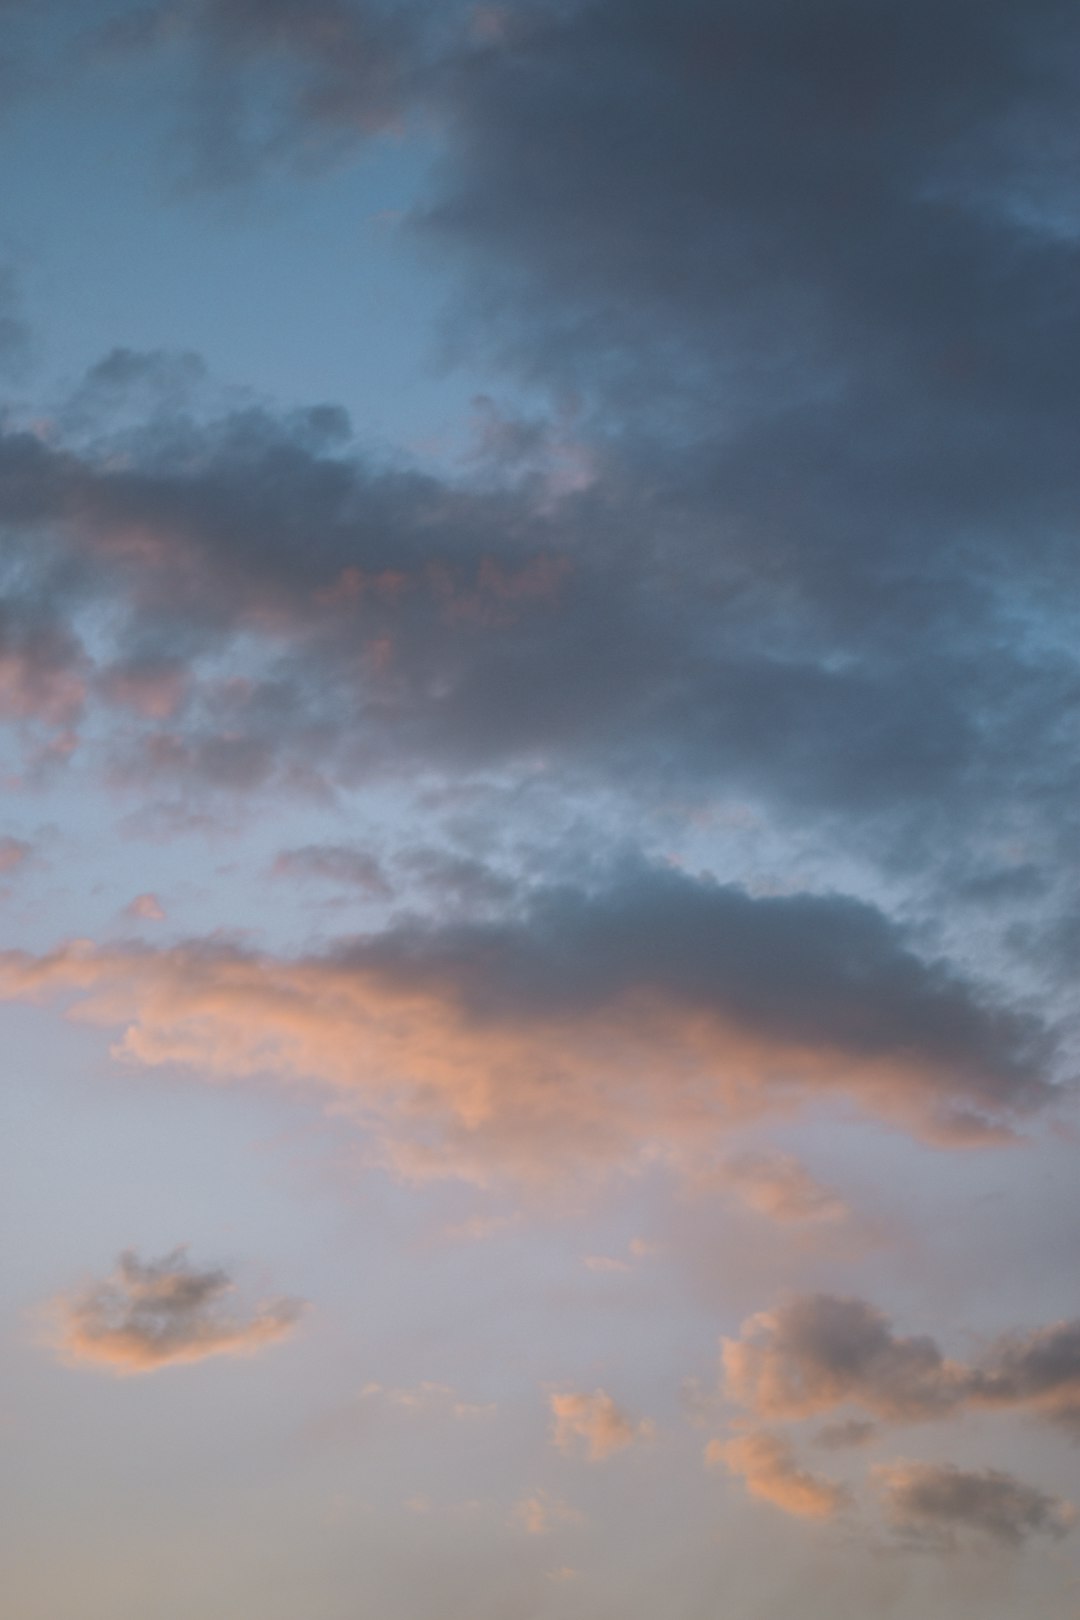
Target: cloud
x,y
850,1432
766,1463
777,1185
588,1027
541,1513
293,82
929,1503
154,1314
145,908
595,1421
818,1352
337,863
810,595
14,854
426,1397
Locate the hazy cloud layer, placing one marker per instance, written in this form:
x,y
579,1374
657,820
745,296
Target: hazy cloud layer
x,y
159,1313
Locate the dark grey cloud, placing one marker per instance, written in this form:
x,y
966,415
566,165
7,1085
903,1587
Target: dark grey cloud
x,y
810,274
819,1352
929,1503
813,971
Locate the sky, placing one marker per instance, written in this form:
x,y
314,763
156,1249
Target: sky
x,y
539,720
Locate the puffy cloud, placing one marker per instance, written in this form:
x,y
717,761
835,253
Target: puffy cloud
x,y
589,1026
160,1313
596,1422
818,1352
812,595
928,1503
766,1463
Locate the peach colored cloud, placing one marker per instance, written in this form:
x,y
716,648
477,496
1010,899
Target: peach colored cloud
x,y
154,1314
766,1463
595,1421
777,1185
145,908
458,1078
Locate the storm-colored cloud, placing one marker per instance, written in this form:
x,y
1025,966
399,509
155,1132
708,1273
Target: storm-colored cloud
x,y
159,1313
594,1423
930,1503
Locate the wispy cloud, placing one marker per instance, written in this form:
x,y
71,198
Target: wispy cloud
x,y
595,1423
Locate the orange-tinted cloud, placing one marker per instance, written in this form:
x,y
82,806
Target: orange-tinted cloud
x,y
777,1185
595,1421
766,1463
155,1314
597,1028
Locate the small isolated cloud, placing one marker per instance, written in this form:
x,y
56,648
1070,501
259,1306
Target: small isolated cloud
x,y
145,908
929,1503
777,1185
160,1313
541,1513
605,1263
766,1464
14,854
596,1421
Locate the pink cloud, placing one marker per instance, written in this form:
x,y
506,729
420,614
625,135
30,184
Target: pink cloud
x,y
596,1422
155,1314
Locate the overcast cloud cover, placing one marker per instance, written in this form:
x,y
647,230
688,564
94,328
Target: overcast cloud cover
x,y
539,691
